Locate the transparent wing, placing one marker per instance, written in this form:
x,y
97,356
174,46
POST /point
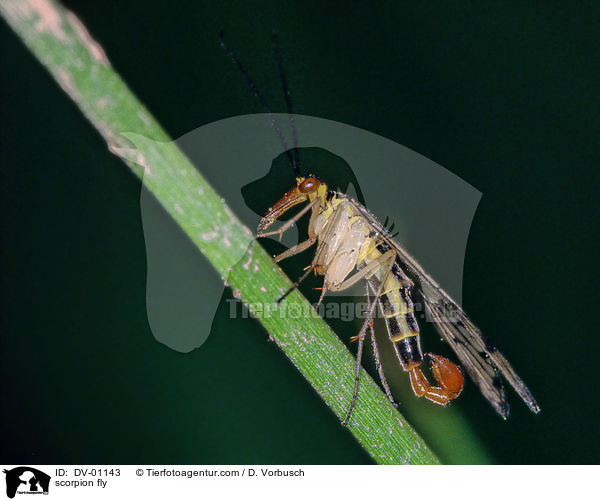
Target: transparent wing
x,y
479,357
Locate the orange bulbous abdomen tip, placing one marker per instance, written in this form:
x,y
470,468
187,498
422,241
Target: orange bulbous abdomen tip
x,y
447,374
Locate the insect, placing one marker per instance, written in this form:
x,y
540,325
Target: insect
x,y
352,245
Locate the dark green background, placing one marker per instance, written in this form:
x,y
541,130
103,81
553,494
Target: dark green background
x,y
502,94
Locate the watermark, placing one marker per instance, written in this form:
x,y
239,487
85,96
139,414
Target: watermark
x,y
245,162
346,311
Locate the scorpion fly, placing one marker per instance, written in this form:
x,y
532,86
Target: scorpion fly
x,y
352,245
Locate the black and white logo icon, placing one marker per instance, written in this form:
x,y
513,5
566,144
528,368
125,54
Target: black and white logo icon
x,y
26,480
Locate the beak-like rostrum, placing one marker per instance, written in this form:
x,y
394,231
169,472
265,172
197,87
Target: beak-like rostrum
x,y
291,198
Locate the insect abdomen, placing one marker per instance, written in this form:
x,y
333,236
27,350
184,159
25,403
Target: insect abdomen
x,y
402,326
398,311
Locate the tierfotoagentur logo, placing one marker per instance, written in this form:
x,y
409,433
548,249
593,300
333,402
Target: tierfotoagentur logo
x,y
26,480
341,310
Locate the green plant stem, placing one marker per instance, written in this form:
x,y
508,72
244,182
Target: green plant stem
x,y
78,63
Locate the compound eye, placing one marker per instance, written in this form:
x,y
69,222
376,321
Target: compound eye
x,y
309,185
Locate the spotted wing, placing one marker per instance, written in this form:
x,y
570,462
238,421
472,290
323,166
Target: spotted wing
x,y
478,356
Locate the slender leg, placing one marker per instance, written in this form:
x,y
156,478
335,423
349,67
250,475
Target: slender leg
x,y
288,224
302,245
361,342
312,266
296,249
391,256
323,291
322,246
364,272
296,283
382,378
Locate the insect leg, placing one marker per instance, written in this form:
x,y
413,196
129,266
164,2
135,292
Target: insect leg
x,y
289,223
390,257
320,249
364,272
384,382
361,342
296,249
323,291
312,266
296,283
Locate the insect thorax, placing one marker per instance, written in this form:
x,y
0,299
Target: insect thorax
x,y
344,240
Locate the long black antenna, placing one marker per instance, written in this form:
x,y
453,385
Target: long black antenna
x,y
259,97
288,100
